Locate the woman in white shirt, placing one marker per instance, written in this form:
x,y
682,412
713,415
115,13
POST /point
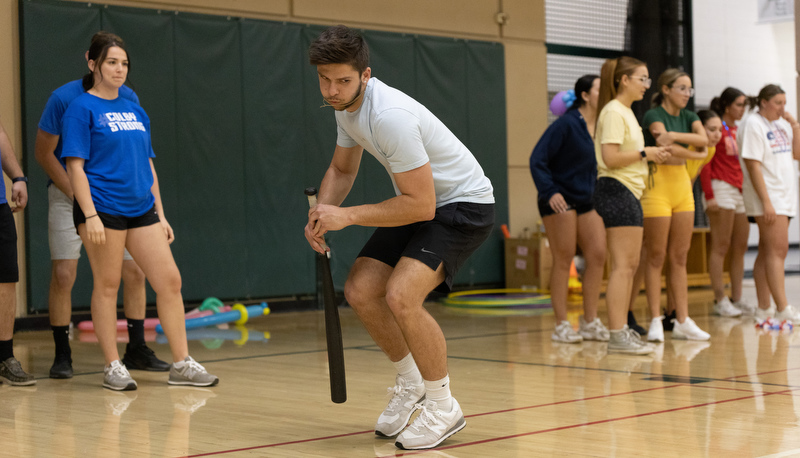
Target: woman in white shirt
x,y
769,141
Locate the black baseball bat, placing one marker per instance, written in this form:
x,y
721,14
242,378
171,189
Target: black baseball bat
x,y
333,329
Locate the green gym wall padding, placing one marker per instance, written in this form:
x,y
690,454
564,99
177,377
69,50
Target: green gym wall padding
x,y
239,133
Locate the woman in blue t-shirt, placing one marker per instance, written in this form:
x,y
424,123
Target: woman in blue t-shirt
x,y
106,145
564,170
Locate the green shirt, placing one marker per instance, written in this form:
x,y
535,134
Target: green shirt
x,y
681,123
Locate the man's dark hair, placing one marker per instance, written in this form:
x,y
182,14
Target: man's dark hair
x,y
340,45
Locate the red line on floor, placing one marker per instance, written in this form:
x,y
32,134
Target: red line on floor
x,y
568,401
591,423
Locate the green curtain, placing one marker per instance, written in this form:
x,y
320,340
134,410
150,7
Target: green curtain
x,y
239,133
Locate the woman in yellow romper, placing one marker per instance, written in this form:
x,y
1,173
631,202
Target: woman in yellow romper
x,y
668,202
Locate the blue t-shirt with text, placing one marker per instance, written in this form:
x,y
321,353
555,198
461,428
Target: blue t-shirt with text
x,y
53,114
113,137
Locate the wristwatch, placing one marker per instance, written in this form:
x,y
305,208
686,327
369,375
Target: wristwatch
x,y
18,179
644,155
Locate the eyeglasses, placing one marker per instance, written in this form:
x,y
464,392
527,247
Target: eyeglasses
x,y
646,82
685,90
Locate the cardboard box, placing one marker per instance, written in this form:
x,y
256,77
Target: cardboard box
x,y
528,262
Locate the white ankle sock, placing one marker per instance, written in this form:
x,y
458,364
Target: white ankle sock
x,y
407,368
439,391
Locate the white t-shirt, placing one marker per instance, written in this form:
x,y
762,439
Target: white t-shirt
x,y
771,144
404,135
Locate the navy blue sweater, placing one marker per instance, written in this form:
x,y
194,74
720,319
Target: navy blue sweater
x,y
564,161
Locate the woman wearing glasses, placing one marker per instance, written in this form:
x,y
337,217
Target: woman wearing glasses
x,y
621,171
668,202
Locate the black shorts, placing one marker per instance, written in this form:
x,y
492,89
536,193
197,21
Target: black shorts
x,y
457,230
9,269
546,210
616,204
116,222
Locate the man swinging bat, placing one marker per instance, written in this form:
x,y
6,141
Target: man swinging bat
x,y
442,212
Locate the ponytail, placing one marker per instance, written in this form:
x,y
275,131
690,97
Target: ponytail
x,y
610,76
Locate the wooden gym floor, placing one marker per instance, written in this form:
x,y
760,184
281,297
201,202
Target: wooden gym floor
x,y
523,395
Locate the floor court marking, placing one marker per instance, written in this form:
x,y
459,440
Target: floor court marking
x,y
591,423
567,401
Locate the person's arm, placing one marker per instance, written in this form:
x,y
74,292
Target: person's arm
x,y
696,138
416,202
159,206
95,230
708,191
757,179
44,152
19,190
546,148
614,158
335,187
795,135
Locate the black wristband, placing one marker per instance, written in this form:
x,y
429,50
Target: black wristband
x,y
92,216
644,155
18,179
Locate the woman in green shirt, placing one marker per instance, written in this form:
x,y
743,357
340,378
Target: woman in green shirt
x,y
668,203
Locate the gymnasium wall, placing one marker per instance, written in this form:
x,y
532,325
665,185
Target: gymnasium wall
x,y
734,48
232,183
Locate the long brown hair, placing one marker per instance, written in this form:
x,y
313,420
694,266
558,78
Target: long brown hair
x,y
667,78
611,75
98,50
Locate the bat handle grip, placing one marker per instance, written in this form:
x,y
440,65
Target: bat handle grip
x,y
311,193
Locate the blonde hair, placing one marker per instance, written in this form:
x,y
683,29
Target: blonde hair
x,y
667,78
610,76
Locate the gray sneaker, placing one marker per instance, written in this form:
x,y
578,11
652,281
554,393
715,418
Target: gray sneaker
x,y
431,427
116,377
12,374
405,398
191,373
628,341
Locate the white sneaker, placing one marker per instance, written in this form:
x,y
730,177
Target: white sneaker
x,y
688,330
762,315
431,427
594,330
656,331
627,341
745,307
405,399
788,314
725,308
116,377
565,333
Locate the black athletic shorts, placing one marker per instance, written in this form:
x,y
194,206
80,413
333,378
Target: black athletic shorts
x,y
120,223
9,269
546,210
616,204
457,230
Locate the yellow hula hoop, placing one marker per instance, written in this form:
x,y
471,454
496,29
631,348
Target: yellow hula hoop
x,y
452,298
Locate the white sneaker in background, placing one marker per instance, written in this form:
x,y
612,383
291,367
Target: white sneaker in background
x,y
594,330
788,314
656,331
627,341
745,307
725,308
762,315
565,333
688,330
